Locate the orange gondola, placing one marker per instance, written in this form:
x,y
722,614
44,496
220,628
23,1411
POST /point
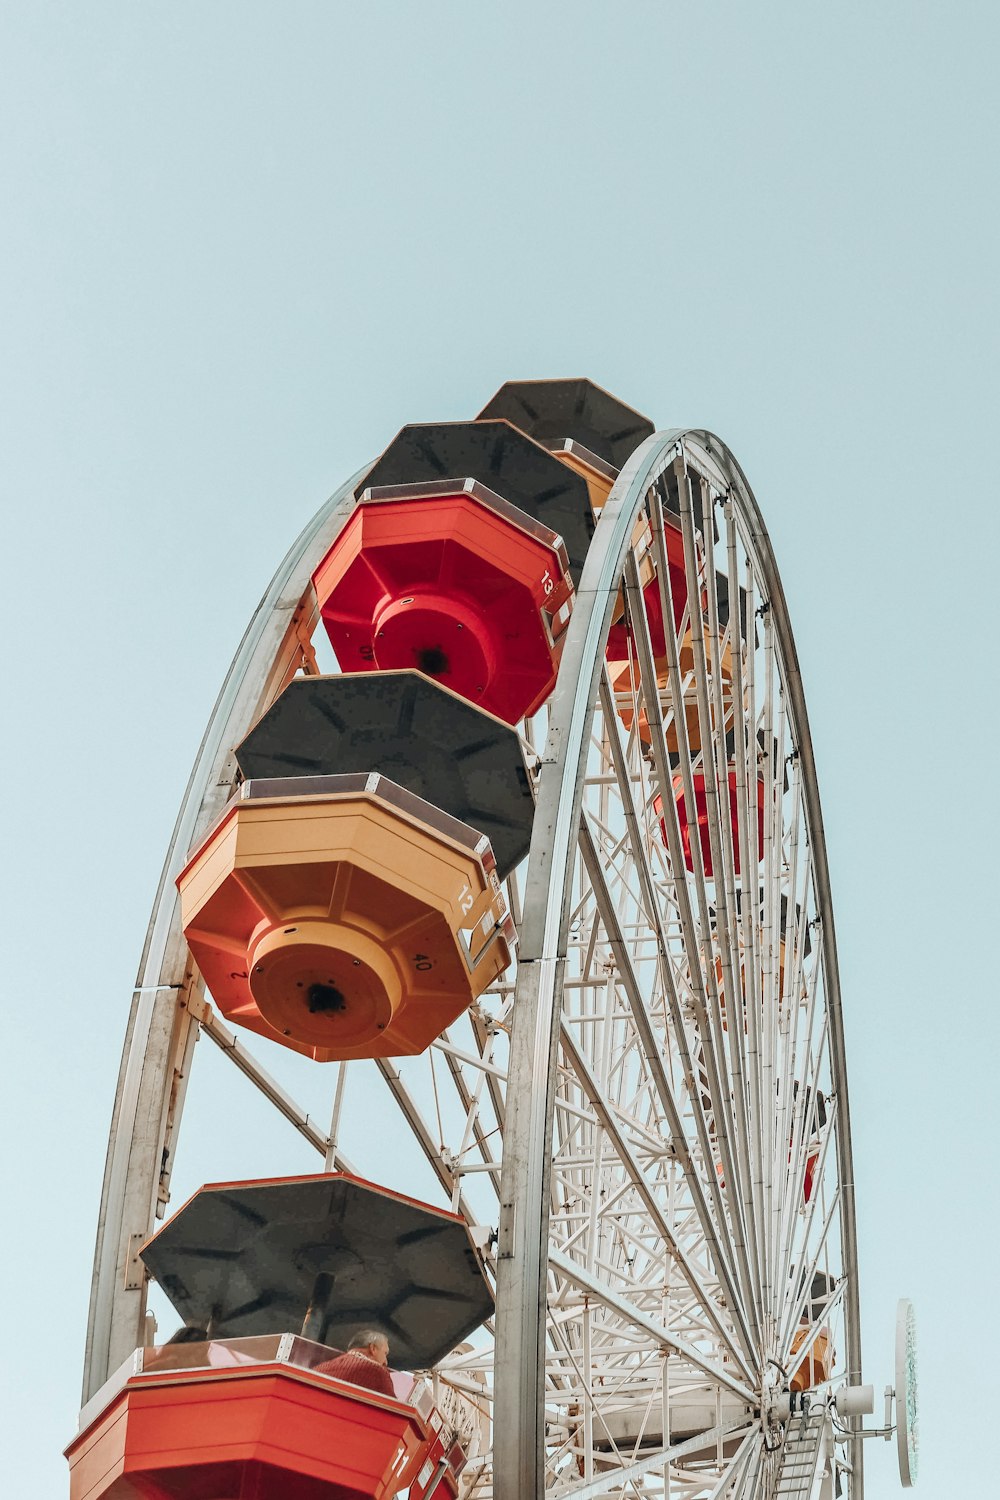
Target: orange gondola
x,y
343,916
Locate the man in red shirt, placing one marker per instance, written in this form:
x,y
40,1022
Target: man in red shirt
x,y
364,1363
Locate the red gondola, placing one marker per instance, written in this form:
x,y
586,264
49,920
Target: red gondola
x,y
453,580
270,1430
701,821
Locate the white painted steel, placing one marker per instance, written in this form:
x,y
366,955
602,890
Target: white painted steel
x,y
768,1235
161,1032
641,1157
855,1400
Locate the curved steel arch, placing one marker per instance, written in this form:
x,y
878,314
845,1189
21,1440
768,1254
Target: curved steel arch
x,y
522,1256
161,1028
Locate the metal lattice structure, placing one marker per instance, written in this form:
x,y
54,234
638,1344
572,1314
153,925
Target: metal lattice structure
x,y
650,1111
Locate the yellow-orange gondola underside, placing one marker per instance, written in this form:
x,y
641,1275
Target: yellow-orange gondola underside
x,y
343,926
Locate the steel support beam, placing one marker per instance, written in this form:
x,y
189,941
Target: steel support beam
x,y
161,1028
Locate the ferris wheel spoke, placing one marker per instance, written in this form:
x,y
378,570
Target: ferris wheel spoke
x,y
634,1317
669,821
713,714
729,1480
654,1061
773,815
811,1251
650,1201
713,735
792,1361
793,1171
761,805
745,757
706,1004
792,1176
624,1481
751,1484
469,1100
424,1136
789,1016
634,826
232,1048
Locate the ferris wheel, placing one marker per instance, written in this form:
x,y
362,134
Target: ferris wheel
x,y
569,702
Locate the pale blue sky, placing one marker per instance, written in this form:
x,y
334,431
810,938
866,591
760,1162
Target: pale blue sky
x,y
243,243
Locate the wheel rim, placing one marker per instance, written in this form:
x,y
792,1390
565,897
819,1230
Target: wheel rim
x,y
756,1274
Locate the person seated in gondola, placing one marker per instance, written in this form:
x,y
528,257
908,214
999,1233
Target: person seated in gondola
x,y
365,1362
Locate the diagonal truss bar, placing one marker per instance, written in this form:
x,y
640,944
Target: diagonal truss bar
x,y
633,1314
422,1131
593,1091
231,1047
619,1479
709,1018
652,1056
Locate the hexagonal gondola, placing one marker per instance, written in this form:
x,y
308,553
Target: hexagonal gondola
x,y
552,410
327,1254
455,581
585,426
342,916
500,457
410,729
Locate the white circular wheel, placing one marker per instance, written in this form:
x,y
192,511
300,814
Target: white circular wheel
x,y
650,1111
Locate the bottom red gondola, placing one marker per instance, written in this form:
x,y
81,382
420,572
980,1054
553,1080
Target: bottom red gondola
x,y
246,1428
